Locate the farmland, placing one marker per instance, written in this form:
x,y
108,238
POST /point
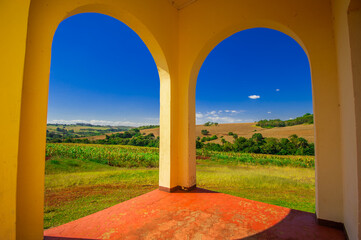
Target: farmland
x,y
80,130
133,157
242,130
84,178
119,156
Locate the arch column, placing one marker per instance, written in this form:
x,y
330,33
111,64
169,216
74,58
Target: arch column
x,y
177,157
32,138
185,137
167,147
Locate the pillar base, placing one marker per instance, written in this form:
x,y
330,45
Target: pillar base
x,y
177,188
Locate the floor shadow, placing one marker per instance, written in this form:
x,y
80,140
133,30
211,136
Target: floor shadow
x,y
66,238
195,190
298,225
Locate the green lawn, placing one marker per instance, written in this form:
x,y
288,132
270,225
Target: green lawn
x,y
75,188
282,186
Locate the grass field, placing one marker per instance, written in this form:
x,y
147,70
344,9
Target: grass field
x,y
76,187
76,128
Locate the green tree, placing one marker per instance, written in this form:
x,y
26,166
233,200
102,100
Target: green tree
x,y
207,124
257,137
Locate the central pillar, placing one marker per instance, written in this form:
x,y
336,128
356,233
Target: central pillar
x,y
177,142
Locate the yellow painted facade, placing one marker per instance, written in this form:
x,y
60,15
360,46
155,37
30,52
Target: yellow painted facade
x,y
180,36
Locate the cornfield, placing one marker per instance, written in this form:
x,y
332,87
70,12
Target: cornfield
x,y
130,156
113,155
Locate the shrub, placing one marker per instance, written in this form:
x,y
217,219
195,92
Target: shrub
x,y
205,132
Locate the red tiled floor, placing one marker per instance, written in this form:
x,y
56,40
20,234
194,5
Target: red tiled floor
x,y
199,214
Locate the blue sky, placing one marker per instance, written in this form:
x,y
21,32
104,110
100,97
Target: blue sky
x,y
102,73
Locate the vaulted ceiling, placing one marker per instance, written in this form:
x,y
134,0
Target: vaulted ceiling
x,y
180,4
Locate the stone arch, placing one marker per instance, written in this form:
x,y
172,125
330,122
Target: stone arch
x,y
132,22
211,44
229,31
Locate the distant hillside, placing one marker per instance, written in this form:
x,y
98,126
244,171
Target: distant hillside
x,y
242,130
60,131
271,123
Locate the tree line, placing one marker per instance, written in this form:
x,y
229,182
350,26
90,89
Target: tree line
x,y
62,134
293,145
132,137
271,123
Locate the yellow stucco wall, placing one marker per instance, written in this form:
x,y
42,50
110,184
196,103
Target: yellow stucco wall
x,y
350,112
354,22
179,42
154,22
12,55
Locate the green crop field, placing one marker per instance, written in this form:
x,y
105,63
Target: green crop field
x,y
82,179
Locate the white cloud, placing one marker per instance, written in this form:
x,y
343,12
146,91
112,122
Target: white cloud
x,y
277,90
224,119
220,116
291,118
236,111
254,96
269,112
199,115
154,121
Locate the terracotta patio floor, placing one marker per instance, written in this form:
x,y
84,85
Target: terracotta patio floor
x,y
199,214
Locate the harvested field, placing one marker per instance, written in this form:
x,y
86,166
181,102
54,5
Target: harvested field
x,y
76,128
242,130
92,138
248,129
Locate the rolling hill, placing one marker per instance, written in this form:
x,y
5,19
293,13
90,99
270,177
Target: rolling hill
x,y
242,130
